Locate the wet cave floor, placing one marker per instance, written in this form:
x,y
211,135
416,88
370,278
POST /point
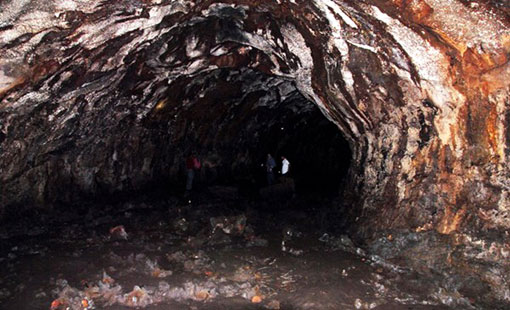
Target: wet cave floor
x,y
212,250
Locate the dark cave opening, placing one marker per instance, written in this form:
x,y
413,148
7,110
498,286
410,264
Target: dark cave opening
x,y
319,155
232,119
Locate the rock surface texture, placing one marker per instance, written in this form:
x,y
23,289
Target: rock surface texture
x,y
105,96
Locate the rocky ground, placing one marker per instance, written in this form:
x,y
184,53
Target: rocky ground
x,y
212,250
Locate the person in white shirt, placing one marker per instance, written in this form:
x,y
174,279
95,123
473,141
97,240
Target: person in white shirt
x,y
285,166
285,179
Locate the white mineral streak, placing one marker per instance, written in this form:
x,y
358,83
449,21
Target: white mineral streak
x,y
65,5
196,66
303,75
413,139
336,9
330,8
336,30
363,46
11,9
29,17
504,211
218,50
259,42
501,100
297,46
154,99
432,68
94,35
192,47
118,58
6,81
349,80
29,99
503,220
34,22
59,110
85,6
459,22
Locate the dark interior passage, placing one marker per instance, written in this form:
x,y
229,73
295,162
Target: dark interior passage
x,y
232,119
318,153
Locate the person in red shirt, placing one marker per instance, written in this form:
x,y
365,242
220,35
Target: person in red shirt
x,y
192,164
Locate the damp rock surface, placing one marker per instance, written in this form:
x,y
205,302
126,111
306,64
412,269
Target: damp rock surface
x,y
161,265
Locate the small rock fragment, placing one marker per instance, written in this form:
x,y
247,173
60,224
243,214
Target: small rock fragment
x,y
59,304
202,295
273,305
118,232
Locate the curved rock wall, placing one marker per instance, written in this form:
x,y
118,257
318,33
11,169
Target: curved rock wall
x,y
94,92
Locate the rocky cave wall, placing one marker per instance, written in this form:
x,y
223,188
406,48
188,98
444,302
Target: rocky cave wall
x,y
94,97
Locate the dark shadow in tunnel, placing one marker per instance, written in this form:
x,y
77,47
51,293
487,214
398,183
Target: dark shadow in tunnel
x,y
318,153
233,118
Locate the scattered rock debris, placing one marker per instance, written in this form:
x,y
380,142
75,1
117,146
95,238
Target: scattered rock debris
x,y
201,256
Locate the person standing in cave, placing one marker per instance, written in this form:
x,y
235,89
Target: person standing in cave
x,y
192,164
285,171
285,166
270,165
285,177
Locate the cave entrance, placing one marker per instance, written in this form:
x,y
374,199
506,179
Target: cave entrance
x,y
233,118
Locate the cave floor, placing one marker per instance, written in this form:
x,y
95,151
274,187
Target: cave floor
x,y
211,251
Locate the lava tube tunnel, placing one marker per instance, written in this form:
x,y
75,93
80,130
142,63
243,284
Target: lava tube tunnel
x,y
269,154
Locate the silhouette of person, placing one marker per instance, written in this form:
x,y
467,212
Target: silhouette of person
x,y
285,165
270,165
192,164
